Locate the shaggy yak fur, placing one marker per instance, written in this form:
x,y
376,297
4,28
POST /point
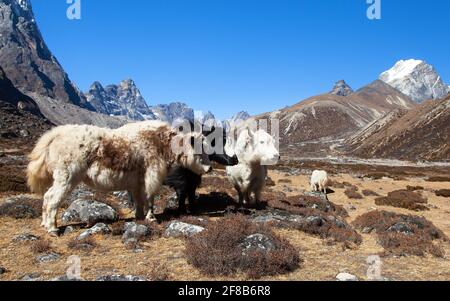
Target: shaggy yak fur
x,y
135,157
185,182
255,151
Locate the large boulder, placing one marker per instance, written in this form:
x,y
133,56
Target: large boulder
x,y
89,212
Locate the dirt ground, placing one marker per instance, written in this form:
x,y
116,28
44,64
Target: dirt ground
x,y
321,261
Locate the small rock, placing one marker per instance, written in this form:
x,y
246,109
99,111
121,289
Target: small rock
x,y
66,279
25,237
257,242
346,277
24,133
125,199
339,223
367,230
177,228
401,228
51,257
315,221
99,228
2,270
31,277
133,230
68,230
89,212
109,278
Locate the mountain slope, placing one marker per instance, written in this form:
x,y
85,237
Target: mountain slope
x,y
26,59
417,79
423,133
9,94
316,126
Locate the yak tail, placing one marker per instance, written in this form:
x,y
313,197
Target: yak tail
x,y
39,177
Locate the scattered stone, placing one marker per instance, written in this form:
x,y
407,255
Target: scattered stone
x,y
31,277
90,212
109,278
401,228
125,199
257,242
25,237
66,279
346,277
68,230
2,270
99,228
24,133
339,223
134,231
51,257
315,221
177,228
367,230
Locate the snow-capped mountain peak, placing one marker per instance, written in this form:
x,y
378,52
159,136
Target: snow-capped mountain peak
x,y
401,69
417,79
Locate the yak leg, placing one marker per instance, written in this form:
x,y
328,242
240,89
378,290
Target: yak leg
x,y
154,179
62,186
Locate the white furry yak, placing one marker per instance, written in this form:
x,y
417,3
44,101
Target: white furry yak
x,y
255,150
319,181
135,158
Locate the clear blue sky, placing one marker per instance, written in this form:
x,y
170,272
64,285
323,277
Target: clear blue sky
x,y
232,55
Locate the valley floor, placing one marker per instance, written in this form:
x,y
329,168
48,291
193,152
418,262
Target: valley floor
x,y
164,257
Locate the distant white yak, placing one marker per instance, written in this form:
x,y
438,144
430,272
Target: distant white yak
x,y
319,181
135,158
254,150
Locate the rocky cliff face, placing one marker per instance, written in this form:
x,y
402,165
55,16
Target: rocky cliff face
x,y
417,79
341,89
26,59
9,94
173,111
123,99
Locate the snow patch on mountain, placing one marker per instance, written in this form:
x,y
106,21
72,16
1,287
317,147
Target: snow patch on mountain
x,y
417,79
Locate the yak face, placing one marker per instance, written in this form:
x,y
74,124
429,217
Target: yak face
x,y
192,152
257,146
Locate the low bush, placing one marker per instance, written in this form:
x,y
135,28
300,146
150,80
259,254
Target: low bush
x,y
402,234
21,207
403,199
40,246
443,193
218,250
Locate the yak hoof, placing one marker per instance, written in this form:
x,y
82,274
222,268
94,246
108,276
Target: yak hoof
x,y
53,233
